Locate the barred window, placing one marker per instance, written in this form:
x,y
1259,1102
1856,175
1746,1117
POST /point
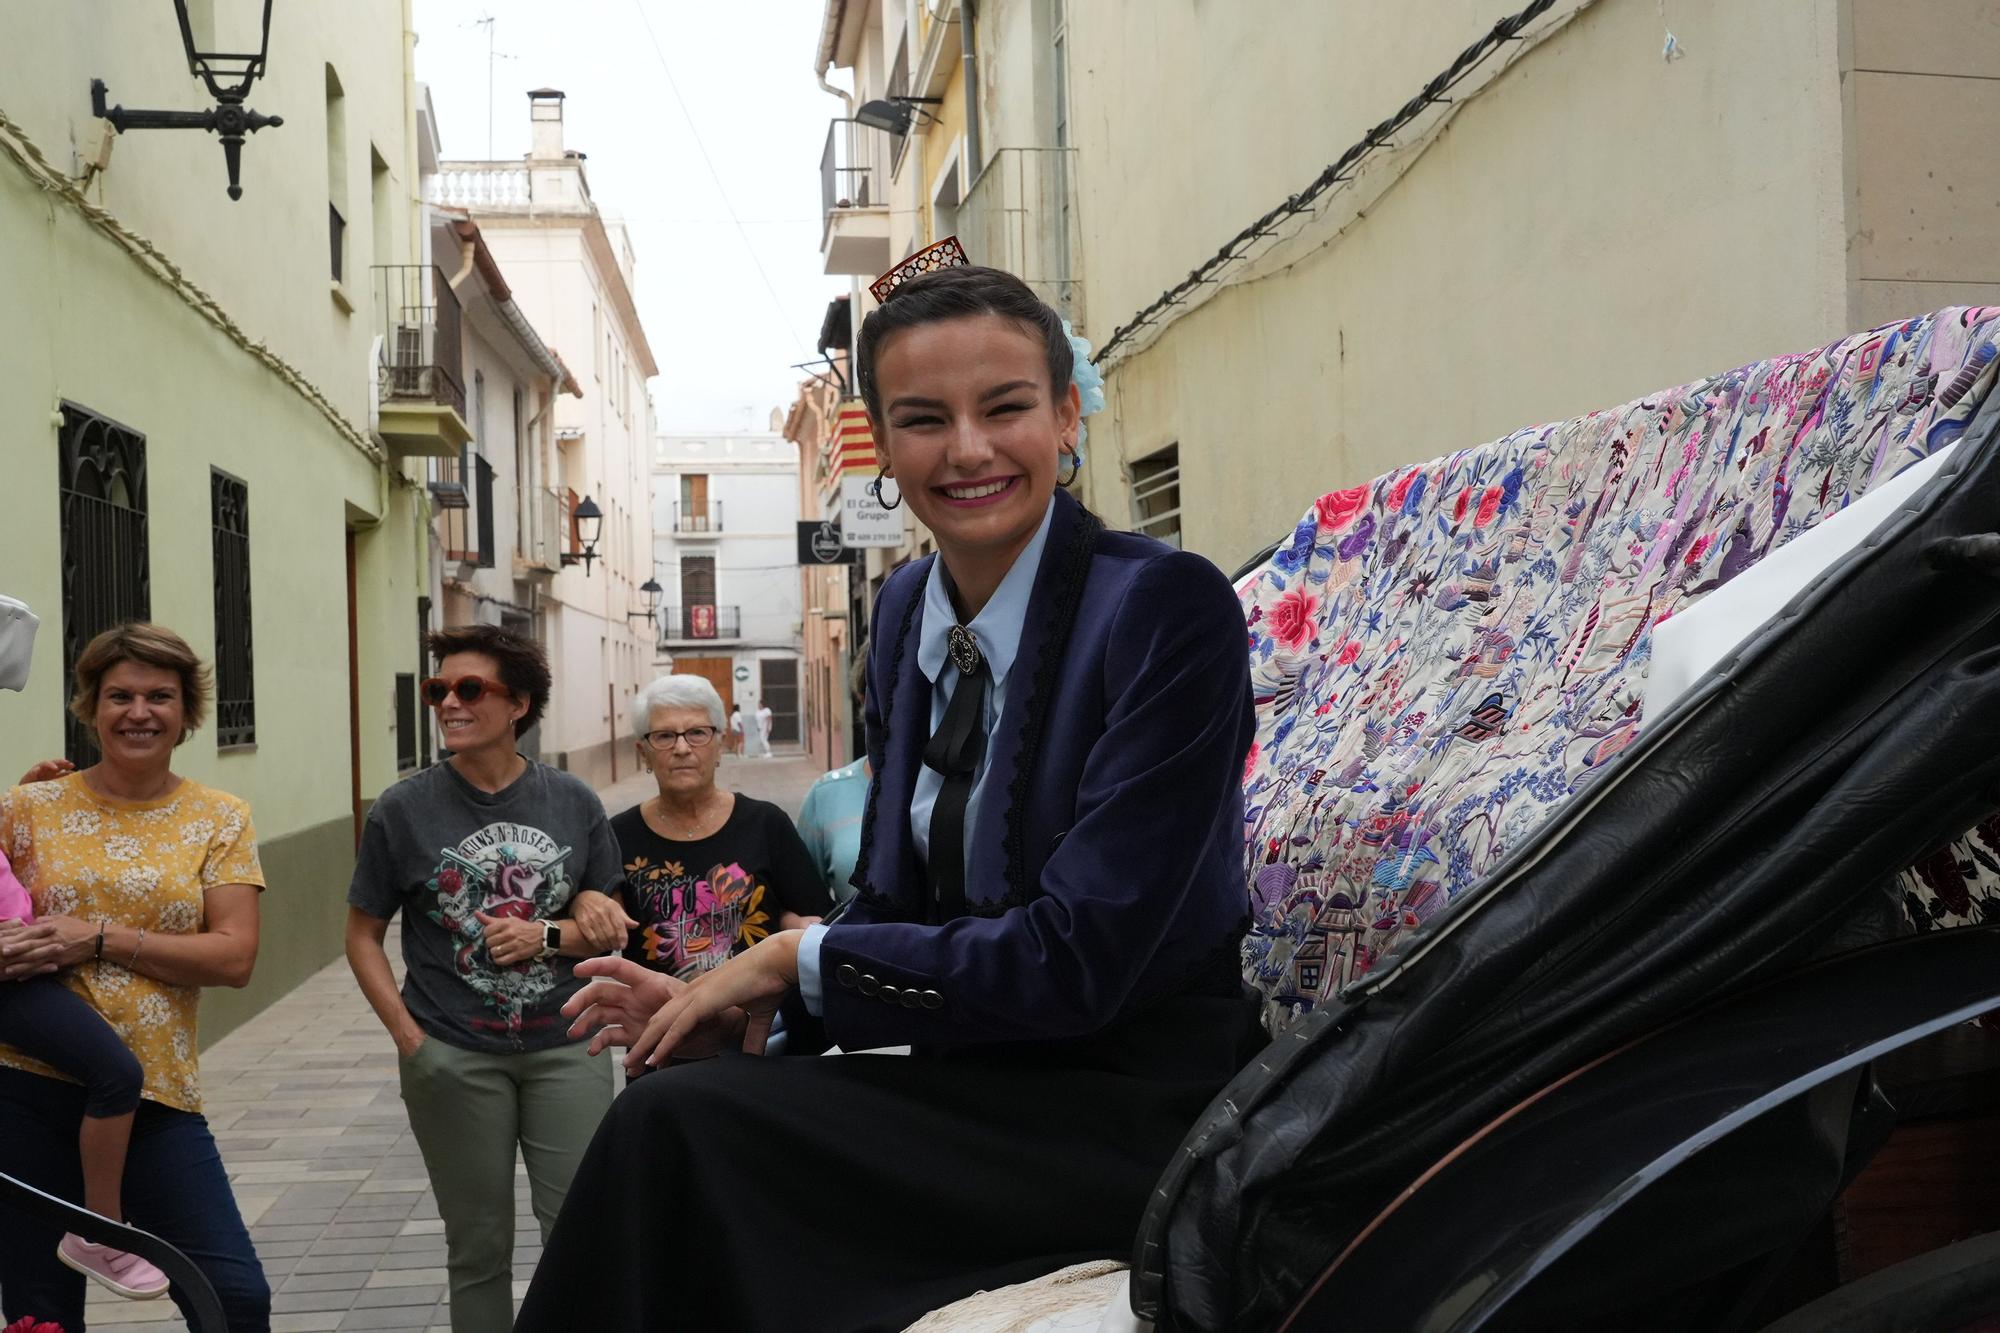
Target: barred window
x,y
106,572
1156,495
235,680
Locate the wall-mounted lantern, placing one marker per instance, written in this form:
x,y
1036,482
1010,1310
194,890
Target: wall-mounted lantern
x,y
589,521
229,120
652,592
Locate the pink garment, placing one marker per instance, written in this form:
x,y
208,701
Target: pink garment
x,y
15,905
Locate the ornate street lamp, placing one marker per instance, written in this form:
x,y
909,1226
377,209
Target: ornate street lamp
x,y
651,591
228,119
589,520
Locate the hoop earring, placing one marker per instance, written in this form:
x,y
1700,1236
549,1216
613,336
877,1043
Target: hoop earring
x,y
1075,467
875,489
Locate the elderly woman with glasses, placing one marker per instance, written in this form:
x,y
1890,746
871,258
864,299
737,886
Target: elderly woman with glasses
x,y
708,872
503,870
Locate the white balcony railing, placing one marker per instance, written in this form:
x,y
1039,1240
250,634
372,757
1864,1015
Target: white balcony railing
x,y
481,185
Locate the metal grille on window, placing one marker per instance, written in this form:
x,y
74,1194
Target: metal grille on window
x,y
235,683
1156,495
406,721
106,573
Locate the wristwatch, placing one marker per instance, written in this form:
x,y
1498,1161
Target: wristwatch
x,y
551,939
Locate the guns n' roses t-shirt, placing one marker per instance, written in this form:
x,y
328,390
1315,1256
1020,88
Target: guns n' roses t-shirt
x,y
698,902
440,851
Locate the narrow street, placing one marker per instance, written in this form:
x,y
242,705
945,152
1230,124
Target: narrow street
x,y
304,1103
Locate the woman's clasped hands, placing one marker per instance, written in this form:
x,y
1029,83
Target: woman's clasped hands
x,y
732,1005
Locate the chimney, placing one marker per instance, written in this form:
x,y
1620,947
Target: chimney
x,y
545,120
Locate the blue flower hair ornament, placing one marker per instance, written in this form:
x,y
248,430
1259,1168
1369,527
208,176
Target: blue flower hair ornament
x,y
1089,382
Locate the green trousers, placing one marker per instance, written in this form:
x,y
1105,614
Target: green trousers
x,y
468,1111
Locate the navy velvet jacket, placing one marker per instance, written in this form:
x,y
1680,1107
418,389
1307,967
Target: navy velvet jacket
x,y
1106,869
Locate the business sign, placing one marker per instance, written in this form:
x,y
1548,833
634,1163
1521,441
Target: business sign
x,y
820,544
863,520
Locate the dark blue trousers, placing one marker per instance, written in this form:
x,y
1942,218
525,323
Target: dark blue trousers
x,y
47,1021
175,1187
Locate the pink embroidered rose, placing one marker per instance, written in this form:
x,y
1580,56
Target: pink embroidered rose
x,y
1337,510
1489,505
1250,763
1291,618
1348,652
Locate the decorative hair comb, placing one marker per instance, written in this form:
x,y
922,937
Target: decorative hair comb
x,y
947,253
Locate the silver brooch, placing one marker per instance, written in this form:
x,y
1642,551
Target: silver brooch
x,y
963,649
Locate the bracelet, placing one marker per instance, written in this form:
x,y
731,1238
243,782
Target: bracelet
x,y
139,944
98,957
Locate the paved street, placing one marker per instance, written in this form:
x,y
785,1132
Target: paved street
x,y
305,1107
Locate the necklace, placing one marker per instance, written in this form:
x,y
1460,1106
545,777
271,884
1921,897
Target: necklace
x,y
693,832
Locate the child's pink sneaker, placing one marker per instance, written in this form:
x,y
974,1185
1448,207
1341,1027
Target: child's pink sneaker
x,y
116,1270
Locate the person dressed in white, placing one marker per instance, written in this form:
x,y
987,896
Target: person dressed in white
x,y
764,727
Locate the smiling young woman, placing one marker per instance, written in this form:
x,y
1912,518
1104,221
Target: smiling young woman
x,y
1049,903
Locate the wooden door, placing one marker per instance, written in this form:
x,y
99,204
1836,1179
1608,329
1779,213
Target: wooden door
x,y
717,671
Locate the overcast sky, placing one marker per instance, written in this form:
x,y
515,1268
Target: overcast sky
x,y
724,340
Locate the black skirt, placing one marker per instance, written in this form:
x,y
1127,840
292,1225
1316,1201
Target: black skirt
x,y
858,1192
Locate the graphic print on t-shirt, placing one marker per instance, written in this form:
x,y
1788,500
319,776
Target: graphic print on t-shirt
x,y
506,870
693,922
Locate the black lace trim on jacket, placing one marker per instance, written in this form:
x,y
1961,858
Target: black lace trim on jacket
x,y
863,882
1073,569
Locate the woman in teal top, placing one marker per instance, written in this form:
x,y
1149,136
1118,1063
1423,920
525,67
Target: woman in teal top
x,y
830,823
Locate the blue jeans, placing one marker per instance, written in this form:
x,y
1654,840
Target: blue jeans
x,y
175,1188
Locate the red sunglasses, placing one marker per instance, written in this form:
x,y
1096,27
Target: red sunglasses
x,y
469,689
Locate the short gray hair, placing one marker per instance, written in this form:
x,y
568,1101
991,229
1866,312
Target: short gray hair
x,y
674,692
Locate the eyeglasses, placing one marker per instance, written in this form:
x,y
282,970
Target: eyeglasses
x,y
698,738
469,689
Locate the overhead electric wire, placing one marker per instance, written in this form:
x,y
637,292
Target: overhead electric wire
x,y
674,88
1506,30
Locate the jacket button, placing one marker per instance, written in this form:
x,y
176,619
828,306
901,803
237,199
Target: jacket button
x,y
847,975
932,1000
869,985
912,998
891,994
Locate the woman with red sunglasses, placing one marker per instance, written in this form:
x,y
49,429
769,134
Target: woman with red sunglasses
x,y
500,867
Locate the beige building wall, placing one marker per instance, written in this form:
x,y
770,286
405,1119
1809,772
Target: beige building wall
x,y
1924,96
1596,223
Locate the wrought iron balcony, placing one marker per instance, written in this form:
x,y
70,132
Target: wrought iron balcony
x,y
422,360
699,623
462,497
698,521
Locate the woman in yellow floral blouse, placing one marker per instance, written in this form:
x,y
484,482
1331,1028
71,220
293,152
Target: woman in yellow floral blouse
x,y
145,889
